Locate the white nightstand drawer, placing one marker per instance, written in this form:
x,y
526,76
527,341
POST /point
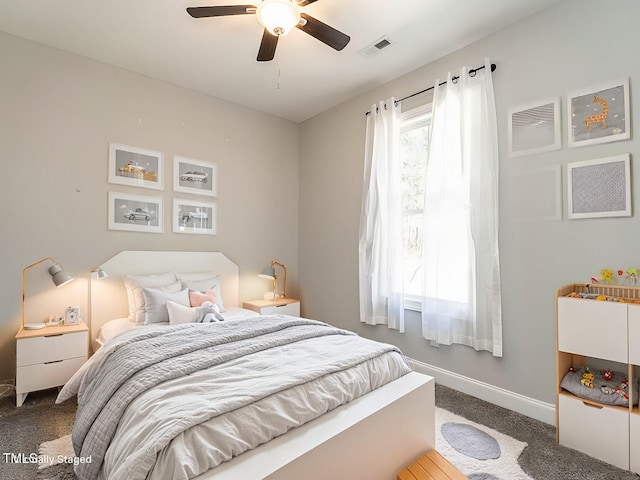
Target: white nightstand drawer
x,y
288,309
46,375
48,348
593,328
601,432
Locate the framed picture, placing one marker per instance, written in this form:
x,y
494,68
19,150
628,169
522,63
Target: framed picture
x,y
599,188
599,114
537,194
535,127
194,176
136,213
137,167
192,216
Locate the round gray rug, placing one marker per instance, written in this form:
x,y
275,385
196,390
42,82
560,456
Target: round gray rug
x,y
471,441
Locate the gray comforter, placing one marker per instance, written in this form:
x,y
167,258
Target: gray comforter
x,y
136,398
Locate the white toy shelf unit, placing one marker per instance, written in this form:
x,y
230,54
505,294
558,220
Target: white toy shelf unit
x,y
598,350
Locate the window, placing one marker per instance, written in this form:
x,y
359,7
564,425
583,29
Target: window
x,y
414,144
429,216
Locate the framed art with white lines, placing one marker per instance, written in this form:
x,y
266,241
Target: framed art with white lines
x,y
535,128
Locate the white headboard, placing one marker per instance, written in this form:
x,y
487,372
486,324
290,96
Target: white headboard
x,y
109,297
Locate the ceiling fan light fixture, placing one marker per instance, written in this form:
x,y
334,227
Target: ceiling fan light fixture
x,y
279,17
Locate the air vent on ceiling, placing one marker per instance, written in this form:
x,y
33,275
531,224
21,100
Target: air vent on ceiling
x,y
376,47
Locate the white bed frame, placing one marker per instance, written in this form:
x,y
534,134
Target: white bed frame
x,y
373,437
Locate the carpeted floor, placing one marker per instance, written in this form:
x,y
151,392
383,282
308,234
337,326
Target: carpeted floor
x,y
543,459
23,429
40,420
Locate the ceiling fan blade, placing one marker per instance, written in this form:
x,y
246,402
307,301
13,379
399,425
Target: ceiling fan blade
x,y
222,11
323,32
267,47
302,3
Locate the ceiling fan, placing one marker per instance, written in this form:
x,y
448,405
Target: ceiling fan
x,y
278,17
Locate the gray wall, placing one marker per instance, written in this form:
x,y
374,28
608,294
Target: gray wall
x,y
573,45
58,113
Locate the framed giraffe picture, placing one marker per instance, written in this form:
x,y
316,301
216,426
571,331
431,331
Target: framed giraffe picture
x,y
599,114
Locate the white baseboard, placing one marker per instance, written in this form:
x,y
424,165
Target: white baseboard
x,y
543,411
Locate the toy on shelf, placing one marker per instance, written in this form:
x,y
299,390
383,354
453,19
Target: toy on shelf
x,y
587,379
620,390
607,375
628,277
595,296
606,276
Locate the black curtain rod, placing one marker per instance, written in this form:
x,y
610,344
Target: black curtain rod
x,y
472,73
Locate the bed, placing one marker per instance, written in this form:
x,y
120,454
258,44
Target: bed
x,y
374,435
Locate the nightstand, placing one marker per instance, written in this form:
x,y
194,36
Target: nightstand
x,y
48,357
285,306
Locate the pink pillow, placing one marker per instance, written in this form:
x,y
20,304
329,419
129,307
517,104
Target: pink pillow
x,y
197,299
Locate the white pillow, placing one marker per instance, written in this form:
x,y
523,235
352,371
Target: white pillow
x,y
155,301
111,329
179,314
203,282
134,283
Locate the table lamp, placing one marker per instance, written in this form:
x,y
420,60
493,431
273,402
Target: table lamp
x,y
59,278
270,274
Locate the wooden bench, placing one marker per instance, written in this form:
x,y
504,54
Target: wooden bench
x,y
431,466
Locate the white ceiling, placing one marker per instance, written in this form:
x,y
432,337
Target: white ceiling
x,y
217,56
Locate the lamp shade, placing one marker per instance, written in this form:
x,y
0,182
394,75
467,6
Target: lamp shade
x,y
278,16
268,273
100,273
58,275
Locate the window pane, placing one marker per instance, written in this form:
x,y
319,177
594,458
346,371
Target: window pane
x,y
412,228
414,144
413,152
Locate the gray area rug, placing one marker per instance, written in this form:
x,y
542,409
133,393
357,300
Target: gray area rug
x,y
542,459
478,451
40,420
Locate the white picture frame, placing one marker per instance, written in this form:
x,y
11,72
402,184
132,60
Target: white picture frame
x,y
135,213
135,166
196,177
599,114
537,194
194,216
535,127
599,188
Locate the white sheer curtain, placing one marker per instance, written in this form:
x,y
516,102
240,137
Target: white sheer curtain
x,y
380,245
461,293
